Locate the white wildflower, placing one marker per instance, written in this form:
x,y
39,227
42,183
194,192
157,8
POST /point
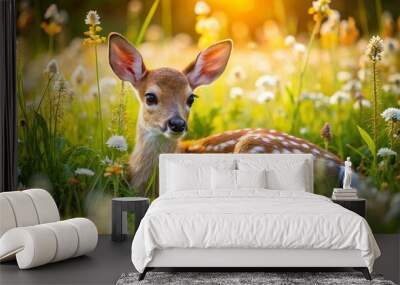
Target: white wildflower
x,y
352,86
78,76
266,81
236,75
299,48
394,79
363,102
321,6
51,12
385,152
339,97
304,130
391,114
290,41
265,96
62,86
108,83
375,49
107,161
208,25
93,92
117,142
52,68
343,76
362,74
92,18
84,171
202,8
236,92
391,45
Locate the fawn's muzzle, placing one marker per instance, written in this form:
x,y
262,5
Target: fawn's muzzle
x,y
177,124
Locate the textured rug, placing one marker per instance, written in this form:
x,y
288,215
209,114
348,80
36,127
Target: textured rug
x,y
243,278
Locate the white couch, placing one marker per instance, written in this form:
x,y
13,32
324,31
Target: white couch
x,y
31,230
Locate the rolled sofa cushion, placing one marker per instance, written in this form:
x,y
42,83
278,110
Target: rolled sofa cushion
x,y
7,220
40,244
31,230
46,208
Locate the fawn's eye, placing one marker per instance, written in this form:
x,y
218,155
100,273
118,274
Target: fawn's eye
x,y
190,100
151,99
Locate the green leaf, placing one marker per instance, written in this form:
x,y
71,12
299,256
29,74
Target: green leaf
x,y
368,140
146,22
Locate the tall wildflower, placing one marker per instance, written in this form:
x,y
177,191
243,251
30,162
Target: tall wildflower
x,y
208,27
374,52
94,39
320,10
52,24
392,118
326,134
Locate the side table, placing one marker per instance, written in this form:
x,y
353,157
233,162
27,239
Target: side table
x,y
136,205
358,205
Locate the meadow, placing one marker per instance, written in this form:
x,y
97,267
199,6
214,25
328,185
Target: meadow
x,y
334,86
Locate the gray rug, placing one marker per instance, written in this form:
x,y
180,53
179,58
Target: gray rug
x,y
242,278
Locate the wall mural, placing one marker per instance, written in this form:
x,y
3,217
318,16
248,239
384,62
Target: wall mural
x,y
102,92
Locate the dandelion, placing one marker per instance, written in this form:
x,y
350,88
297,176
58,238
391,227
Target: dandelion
x,y
62,86
93,92
392,117
202,8
391,114
265,96
339,97
51,12
237,75
304,130
108,83
391,45
52,68
375,49
117,142
266,81
78,76
299,48
352,86
290,41
393,85
343,76
326,134
236,92
84,172
361,103
386,152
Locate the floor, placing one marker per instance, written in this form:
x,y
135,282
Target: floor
x,y
110,260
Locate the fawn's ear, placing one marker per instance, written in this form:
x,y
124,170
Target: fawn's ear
x,y
209,64
125,60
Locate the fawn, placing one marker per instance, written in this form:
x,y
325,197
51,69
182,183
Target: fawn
x,y
166,97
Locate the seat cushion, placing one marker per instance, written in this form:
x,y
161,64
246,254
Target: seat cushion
x,y
40,244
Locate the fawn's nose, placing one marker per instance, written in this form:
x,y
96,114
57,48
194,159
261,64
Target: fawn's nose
x,y
177,124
